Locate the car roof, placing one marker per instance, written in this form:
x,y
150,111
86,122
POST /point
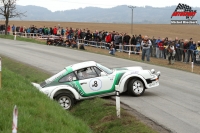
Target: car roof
x,y
83,65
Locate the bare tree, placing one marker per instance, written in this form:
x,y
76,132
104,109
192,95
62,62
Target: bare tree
x,y
8,10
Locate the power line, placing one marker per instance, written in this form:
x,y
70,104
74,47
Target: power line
x,y
132,7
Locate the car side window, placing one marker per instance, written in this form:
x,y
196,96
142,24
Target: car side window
x,y
68,78
98,71
86,73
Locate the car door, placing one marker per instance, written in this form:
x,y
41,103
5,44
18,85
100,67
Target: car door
x,y
92,83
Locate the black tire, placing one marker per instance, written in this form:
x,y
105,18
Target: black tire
x,y
65,100
136,87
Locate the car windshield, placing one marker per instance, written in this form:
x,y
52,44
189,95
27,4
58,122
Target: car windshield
x,y
105,69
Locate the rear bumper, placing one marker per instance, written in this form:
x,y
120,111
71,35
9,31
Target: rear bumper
x,y
36,85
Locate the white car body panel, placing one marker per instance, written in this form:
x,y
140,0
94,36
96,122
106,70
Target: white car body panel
x,y
106,82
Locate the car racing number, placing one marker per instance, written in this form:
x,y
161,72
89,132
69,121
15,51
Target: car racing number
x,y
95,84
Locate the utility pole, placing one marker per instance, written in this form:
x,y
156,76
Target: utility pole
x,y
132,7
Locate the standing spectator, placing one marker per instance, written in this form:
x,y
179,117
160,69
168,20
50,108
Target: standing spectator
x,y
171,52
113,35
71,33
191,50
21,30
185,54
87,37
51,31
157,48
133,45
153,41
28,30
55,31
67,33
83,34
8,29
62,32
120,42
108,39
178,50
58,31
146,43
161,48
13,29
165,45
138,47
181,49
43,30
126,40
138,38
116,40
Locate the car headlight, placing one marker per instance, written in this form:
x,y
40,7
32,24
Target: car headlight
x,y
152,71
158,73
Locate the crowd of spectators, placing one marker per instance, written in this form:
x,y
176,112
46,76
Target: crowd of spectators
x,y
167,48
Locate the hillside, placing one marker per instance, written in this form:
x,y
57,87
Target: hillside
x,y
118,14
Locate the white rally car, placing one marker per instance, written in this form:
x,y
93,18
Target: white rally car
x,y
90,79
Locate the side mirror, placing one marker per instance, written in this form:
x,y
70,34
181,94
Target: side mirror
x,y
103,74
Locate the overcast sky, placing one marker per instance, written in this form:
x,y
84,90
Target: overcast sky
x,y
59,5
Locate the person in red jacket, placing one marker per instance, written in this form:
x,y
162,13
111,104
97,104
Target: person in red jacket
x,y
8,29
55,30
161,47
108,39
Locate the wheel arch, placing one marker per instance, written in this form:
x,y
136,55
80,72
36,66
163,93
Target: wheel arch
x,y
61,90
128,79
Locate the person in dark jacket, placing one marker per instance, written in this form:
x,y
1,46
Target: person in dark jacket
x,y
126,40
133,45
191,50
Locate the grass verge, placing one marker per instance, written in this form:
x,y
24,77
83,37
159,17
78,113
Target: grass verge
x,y
18,38
37,113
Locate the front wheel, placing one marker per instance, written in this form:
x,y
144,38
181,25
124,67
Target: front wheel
x,y
65,100
136,87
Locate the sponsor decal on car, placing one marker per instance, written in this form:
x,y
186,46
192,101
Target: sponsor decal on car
x,y
76,86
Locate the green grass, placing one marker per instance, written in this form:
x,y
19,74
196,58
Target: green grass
x,y
18,38
37,113
101,116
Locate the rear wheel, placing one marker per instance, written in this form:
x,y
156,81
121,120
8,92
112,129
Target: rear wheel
x,y
136,87
65,100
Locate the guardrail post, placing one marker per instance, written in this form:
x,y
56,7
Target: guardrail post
x,y
15,117
117,101
192,66
15,36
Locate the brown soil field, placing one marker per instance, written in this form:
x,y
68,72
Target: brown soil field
x,y
156,30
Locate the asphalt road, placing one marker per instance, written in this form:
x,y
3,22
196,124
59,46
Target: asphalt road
x,y
175,104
